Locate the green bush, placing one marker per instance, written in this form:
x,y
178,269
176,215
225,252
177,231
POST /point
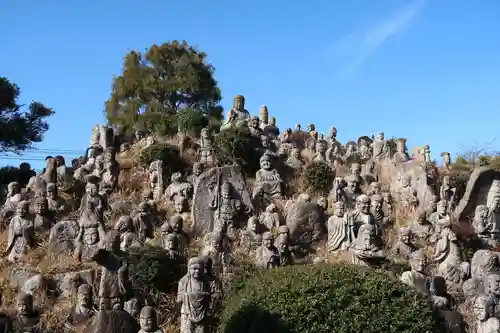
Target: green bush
x,y
171,157
238,146
152,270
191,121
319,177
342,298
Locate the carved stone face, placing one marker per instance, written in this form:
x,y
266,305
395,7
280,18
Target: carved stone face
x,y
147,323
267,242
252,224
24,307
254,123
91,189
446,158
339,210
195,271
320,148
14,188
238,103
52,192
380,136
405,238
109,155
376,205
84,300
367,236
265,164
40,207
264,142
417,264
176,178
22,210
179,206
356,169
375,188
176,225
322,203
441,208
495,203
493,283
197,169
351,185
295,153
116,303
91,236
364,206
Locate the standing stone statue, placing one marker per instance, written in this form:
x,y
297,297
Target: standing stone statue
x,y
263,117
250,238
21,233
205,154
237,116
178,188
194,296
365,250
339,228
267,255
156,179
268,183
401,154
380,148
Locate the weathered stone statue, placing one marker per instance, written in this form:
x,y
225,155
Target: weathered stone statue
x,y
267,180
83,310
156,179
149,321
352,190
263,117
14,196
143,222
483,263
487,306
420,227
405,247
270,218
114,285
401,154
254,127
205,155
416,277
447,193
445,160
56,204
293,161
337,192
407,193
339,228
128,237
21,231
267,255
362,215
271,130
380,148
197,171
177,229
27,317
320,154
111,168
483,226
376,208
227,208
284,246
178,188
250,237
43,219
237,116
194,296
364,250
133,307
217,250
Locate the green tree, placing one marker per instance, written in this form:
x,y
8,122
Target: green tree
x,y
155,87
19,127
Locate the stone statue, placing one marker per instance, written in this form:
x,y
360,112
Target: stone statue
x,y
380,148
194,296
149,321
364,250
43,219
217,250
128,237
420,227
143,222
267,255
271,130
197,171
447,193
483,226
27,317
176,225
283,244
250,237
178,188
374,189
83,310
337,192
237,116
206,157
111,169
270,218
56,204
408,195
254,127
483,263
14,196
405,247
268,183
445,160
362,215
416,277
339,228
293,161
263,117
156,179
401,154
320,154
377,211
20,233
364,149
487,308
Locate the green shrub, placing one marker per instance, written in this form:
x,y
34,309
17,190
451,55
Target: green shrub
x,y
191,121
342,298
152,270
171,157
238,146
319,177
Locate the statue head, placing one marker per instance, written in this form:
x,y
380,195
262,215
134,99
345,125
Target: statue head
x,y
254,122
417,261
283,230
60,161
339,208
239,102
374,188
84,296
356,169
171,242
311,128
148,320
304,197
265,142
405,235
386,195
263,114
41,206
109,154
333,132
351,183
492,284
298,128
133,307
380,136
90,236
265,162
295,153
267,239
445,181
401,145
205,133
113,241
176,178
22,209
252,223
376,202
13,188
25,304
92,186
195,268
116,303
271,208
481,212
322,203
52,190
272,121
124,224
176,223
226,190
180,204
363,204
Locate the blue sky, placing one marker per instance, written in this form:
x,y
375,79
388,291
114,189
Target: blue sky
x,y
425,70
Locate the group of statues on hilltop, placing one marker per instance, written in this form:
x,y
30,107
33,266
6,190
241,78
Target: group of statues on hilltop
x,y
274,227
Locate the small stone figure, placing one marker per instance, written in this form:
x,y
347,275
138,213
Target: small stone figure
x,y
83,310
361,215
267,255
176,228
373,189
194,296
487,306
14,196
128,238
364,250
197,171
56,204
149,321
420,227
408,195
401,154
416,277
205,154
111,168
143,222
254,127
156,179
268,183
293,161
250,237
284,247
170,243
27,317
483,226
217,250
270,217
339,228
445,160
447,193
43,220
178,188
21,233
380,148
226,208
404,247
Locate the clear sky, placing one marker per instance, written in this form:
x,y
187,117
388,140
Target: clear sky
x,y
425,70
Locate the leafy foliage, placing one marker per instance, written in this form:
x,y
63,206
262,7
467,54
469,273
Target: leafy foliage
x,y
170,155
20,129
341,298
319,177
153,270
237,146
160,83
